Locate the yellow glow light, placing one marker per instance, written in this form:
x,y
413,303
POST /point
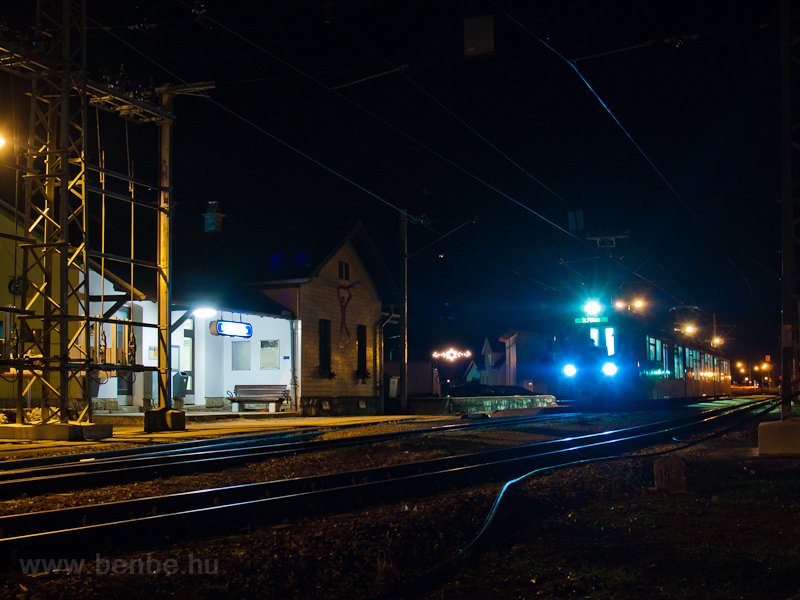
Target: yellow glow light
x,y
638,303
452,355
689,329
620,305
2,141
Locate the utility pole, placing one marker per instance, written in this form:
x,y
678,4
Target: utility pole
x,y
164,417
789,324
782,438
404,317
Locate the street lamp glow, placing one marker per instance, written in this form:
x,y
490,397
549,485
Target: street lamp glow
x,y
2,141
689,329
716,341
638,303
204,312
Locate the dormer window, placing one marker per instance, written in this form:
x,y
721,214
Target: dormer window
x,y
344,270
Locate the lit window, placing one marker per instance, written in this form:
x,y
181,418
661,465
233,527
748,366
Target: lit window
x,y
610,342
594,333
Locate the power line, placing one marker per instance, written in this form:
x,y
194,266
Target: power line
x,y
639,149
391,126
300,152
463,122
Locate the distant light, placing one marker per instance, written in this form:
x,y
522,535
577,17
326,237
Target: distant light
x,y
570,370
452,355
716,341
592,308
2,141
638,303
231,329
689,329
620,305
609,369
204,312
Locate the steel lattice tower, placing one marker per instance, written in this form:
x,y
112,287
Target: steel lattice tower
x,y
48,331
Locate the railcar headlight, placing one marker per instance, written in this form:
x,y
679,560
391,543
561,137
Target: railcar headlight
x,y
609,369
569,370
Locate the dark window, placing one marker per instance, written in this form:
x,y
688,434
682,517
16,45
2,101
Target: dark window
x,y
344,270
325,347
361,346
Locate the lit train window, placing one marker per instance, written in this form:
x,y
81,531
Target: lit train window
x,y
610,342
679,364
654,349
594,333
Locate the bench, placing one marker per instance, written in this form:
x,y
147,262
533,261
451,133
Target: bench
x,y
271,395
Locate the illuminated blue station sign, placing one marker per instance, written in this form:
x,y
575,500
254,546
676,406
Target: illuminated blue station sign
x,y
231,329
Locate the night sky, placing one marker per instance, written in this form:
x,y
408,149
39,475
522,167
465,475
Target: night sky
x,y
499,147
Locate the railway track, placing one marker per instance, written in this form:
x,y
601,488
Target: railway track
x,y
142,523
60,474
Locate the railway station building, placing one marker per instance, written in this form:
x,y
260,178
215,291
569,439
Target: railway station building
x,y
311,304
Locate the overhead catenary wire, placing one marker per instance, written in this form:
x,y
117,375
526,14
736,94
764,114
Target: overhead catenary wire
x,y
455,116
304,154
421,89
391,126
572,65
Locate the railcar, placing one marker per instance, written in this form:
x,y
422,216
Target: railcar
x,y
616,359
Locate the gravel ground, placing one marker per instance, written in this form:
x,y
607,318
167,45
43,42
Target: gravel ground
x,y
594,531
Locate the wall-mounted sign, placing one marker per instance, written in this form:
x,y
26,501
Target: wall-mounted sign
x,y
231,328
591,319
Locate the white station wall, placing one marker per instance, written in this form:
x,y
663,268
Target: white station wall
x,y
215,354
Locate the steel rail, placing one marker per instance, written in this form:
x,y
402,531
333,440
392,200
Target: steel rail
x,y
88,470
248,439
85,530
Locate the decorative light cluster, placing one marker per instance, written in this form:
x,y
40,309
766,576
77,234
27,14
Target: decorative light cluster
x,y
452,355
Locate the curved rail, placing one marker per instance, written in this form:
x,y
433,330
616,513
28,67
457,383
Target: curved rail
x,y
85,530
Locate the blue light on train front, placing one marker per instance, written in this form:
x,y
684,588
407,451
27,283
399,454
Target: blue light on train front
x,y
569,370
609,369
